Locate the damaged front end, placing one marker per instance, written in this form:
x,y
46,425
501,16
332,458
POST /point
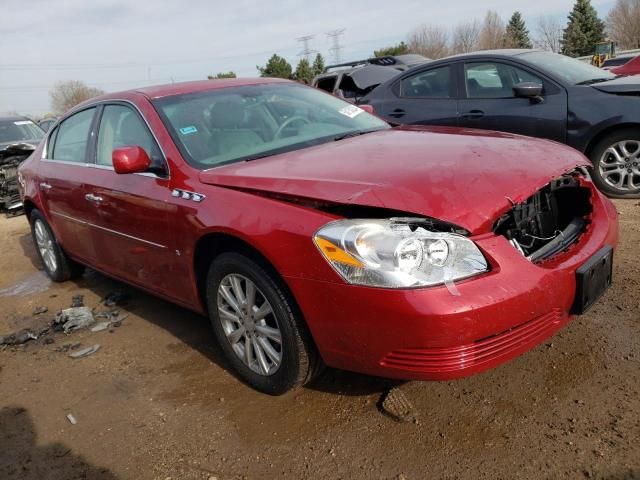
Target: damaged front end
x,y
549,221
10,159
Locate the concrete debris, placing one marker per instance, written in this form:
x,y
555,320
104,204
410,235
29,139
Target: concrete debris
x,y
23,336
395,404
18,338
74,318
40,310
85,352
72,419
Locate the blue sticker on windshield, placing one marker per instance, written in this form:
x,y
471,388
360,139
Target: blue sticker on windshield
x,y
188,130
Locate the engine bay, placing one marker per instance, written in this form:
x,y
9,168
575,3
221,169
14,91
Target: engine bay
x,y
548,221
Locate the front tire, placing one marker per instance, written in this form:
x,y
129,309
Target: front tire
x,y
616,163
56,263
258,325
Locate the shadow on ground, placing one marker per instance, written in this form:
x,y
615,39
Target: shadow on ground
x,y
21,458
194,330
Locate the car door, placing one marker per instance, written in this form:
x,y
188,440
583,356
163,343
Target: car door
x,y
130,223
63,171
488,101
427,97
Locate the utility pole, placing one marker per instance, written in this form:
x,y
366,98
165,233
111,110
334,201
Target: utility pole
x,y
335,49
306,51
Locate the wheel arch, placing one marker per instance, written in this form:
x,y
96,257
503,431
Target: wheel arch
x,y
608,131
212,244
28,206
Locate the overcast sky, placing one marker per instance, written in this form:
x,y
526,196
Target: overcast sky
x,y
117,44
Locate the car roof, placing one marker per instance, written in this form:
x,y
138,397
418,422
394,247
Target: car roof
x,y
13,118
168,90
504,52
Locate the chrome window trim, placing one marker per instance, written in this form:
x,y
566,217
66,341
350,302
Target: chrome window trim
x,y
83,222
105,102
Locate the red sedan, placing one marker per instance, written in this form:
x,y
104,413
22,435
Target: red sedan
x,y
311,233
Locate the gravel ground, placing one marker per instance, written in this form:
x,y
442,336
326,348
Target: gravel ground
x,y
158,402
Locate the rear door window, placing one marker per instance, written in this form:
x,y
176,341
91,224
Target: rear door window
x,y
71,138
434,83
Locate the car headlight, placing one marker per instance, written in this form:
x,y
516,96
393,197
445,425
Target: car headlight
x,y
397,253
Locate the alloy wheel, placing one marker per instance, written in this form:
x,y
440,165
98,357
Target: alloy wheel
x,y
619,166
45,245
250,324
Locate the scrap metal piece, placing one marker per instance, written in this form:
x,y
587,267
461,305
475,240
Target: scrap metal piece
x,y
85,352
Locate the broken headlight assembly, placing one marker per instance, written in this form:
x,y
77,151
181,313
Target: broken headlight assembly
x,y
397,253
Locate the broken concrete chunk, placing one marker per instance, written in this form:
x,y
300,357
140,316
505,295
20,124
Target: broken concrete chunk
x,y
85,352
396,405
74,318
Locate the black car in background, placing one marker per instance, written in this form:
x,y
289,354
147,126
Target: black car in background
x,y
353,80
529,92
19,136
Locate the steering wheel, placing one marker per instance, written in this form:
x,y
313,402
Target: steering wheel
x,y
286,123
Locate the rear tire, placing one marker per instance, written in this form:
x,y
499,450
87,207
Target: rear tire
x,y
616,163
258,325
58,266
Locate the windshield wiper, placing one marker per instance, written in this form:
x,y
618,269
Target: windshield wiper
x,y
356,133
591,81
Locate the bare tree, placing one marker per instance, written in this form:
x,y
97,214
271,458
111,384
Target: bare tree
x,y
465,37
623,23
492,32
549,34
67,94
432,41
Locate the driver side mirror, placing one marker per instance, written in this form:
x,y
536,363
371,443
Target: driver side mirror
x,y
130,160
530,90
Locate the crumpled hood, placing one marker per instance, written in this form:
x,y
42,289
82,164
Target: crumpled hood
x,y
465,177
622,85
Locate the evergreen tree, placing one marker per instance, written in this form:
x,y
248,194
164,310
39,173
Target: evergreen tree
x,y
276,67
584,30
318,65
399,49
304,72
516,34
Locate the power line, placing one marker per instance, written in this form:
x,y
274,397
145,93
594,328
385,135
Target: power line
x,y
306,51
336,48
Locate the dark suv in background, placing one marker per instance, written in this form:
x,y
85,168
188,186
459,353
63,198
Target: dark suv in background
x,y
19,136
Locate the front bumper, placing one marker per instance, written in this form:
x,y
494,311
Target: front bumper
x,y
431,334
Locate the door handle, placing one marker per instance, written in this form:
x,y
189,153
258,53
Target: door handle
x,y
473,114
45,186
397,113
93,198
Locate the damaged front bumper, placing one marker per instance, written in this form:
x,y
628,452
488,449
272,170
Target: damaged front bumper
x,y
430,334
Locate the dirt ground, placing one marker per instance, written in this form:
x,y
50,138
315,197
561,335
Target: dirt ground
x,y
158,402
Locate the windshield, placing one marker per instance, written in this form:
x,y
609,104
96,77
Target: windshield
x,y
243,123
19,130
572,70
